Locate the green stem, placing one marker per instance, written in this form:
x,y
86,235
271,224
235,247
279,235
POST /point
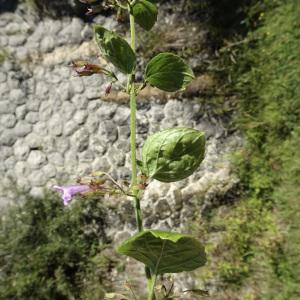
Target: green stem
x,y
151,294
131,90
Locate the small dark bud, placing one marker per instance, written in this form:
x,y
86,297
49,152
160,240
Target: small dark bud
x,y
108,89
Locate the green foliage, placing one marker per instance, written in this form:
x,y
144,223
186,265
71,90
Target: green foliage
x,y
115,49
168,72
269,112
165,252
173,154
145,13
52,252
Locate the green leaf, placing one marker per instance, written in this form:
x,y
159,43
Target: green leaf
x,y
173,154
115,49
168,72
165,252
145,13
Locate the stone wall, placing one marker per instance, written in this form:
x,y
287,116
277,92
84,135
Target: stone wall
x,y
55,127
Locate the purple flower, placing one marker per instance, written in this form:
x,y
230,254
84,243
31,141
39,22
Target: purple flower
x,y
69,191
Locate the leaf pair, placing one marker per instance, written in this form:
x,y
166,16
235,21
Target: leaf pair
x,y
165,252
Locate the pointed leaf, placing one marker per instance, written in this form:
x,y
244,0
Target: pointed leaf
x,y
165,252
115,49
168,72
145,13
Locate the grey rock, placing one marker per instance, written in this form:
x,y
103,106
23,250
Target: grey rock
x,y
93,93
87,156
47,44
67,110
34,141
49,170
61,144
8,120
10,162
32,117
101,164
5,152
80,139
55,125
8,138
56,159
7,107
41,128
12,28
80,101
21,112
21,150
87,32
77,85
162,209
37,192
16,40
97,145
92,123
107,111
42,90
22,128
36,159
93,107
80,117
21,169
37,178
45,111
33,104
116,157
122,115
70,127
2,77
108,132
64,91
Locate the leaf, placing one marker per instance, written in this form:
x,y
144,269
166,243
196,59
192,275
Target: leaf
x,y
165,252
168,72
115,49
173,154
145,13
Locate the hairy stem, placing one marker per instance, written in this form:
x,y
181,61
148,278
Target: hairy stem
x,y
131,89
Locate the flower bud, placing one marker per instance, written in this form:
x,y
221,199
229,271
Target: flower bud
x,y
84,68
173,154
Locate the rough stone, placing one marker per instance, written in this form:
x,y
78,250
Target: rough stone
x,y
70,127
8,120
108,132
32,117
55,125
21,150
36,159
49,170
80,117
56,159
8,138
22,128
16,40
80,139
7,107
37,178
21,112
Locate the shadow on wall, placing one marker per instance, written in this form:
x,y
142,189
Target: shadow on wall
x,y
8,5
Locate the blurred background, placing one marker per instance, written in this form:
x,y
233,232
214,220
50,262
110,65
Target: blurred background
x,y
55,127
